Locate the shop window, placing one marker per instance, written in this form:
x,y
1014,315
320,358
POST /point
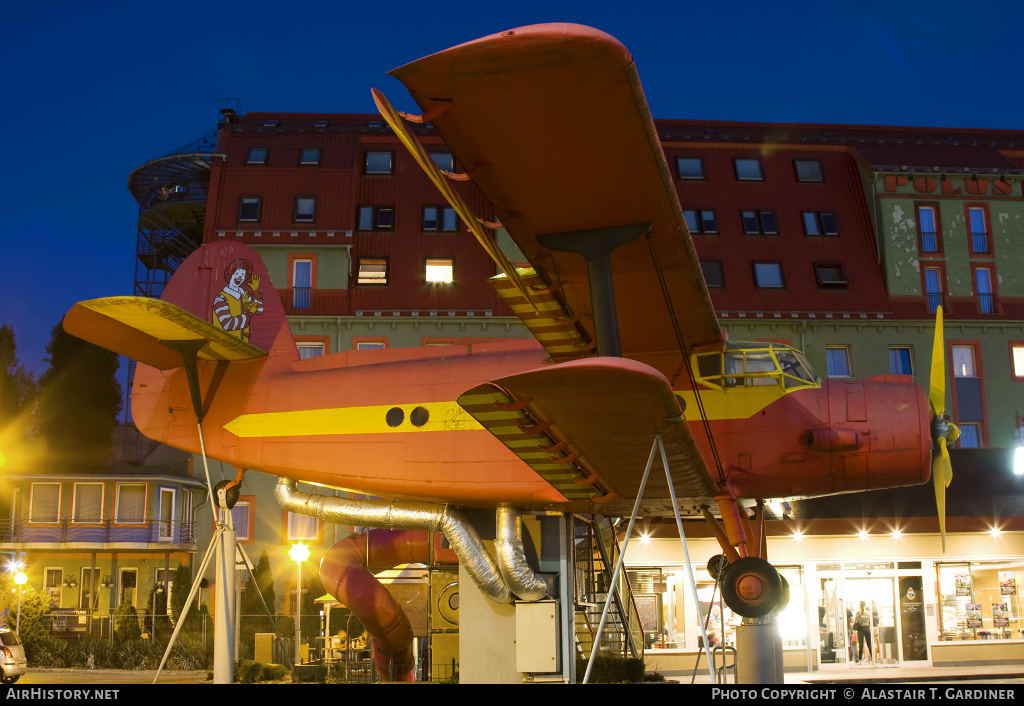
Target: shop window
x,y
439,271
713,275
808,170
257,155
131,503
443,160
372,271
901,360
310,350
380,162
837,361
690,167
768,275
979,600
748,170
87,502
44,502
310,156
249,209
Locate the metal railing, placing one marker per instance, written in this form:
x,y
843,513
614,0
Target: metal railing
x,y
934,301
102,531
987,302
929,241
301,297
979,242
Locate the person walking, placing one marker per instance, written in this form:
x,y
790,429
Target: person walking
x,y
862,623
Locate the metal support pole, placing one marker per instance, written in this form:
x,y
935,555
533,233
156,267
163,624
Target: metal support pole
x,y
618,565
689,564
17,624
298,609
223,627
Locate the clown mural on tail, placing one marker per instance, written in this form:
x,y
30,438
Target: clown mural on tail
x,y
235,306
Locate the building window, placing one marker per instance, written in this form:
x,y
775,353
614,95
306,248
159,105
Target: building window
x,y
302,527
443,218
768,275
701,221
87,502
823,223
310,156
443,160
713,277
90,578
970,409
979,232
983,283
240,515
837,361
44,502
970,435
380,162
271,123
310,350
808,170
901,360
305,209
372,271
748,170
321,123
963,362
166,510
1017,359
690,167
759,223
257,155
926,227
439,271
249,209
131,503
302,283
53,578
830,276
933,288
376,218
370,345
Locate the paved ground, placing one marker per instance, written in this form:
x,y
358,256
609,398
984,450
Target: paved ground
x,y
107,676
1009,674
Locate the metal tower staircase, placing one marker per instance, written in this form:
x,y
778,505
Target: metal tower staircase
x,y
596,552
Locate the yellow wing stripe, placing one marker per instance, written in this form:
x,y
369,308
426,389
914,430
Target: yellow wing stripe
x,y
374,419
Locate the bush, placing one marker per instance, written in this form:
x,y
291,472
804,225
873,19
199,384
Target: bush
x,y
188,654
249,672
132,654
610,669
274,672
52,653
102,652
126,623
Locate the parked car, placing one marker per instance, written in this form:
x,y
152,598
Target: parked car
x,y
12,657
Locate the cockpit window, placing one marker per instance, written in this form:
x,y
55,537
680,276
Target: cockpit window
x,y
755,364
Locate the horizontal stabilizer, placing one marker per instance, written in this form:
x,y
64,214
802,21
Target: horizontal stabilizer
x,y
136,326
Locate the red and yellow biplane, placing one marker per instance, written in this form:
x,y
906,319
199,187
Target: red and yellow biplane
x,y
552,126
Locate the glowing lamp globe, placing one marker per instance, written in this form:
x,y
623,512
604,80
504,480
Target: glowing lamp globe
x,y
20,578
299,552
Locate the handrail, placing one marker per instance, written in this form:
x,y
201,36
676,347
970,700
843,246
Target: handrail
x,y
724,669
627,609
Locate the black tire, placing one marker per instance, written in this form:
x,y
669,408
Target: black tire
x,y
752,587
784,599
718,560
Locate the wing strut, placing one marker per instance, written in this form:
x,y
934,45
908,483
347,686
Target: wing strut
x,y
597,246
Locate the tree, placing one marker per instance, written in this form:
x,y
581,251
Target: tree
x,y
80,400
126,623
181,584
262,581
18,389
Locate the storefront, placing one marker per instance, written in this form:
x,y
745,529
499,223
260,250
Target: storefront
x,y
861,600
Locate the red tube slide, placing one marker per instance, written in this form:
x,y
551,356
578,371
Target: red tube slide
x,y
345,576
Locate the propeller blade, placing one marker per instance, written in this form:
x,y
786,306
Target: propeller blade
x,y
937,391
941,469
954,434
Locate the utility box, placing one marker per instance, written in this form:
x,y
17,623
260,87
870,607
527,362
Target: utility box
x,y
538,648
264,648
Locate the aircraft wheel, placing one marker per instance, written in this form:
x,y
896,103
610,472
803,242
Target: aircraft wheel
x,y
716,562
752,587
784,600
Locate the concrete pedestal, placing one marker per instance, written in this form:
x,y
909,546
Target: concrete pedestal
x,y
758,653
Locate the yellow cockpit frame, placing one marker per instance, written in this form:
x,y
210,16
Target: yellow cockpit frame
x,y
736,365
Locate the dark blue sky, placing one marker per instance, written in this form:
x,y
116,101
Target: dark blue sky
x,y
92,90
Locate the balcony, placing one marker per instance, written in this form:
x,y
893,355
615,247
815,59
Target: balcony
x,y
22,532
934,301
301,297
308,301
929,241
979,243
987,303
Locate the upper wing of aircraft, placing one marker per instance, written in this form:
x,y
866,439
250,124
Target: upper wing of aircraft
x,y
551,124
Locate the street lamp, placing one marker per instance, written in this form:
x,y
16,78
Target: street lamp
x,y
19,578
299,553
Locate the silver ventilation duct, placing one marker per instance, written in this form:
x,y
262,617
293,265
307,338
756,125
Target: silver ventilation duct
x,y
405,514
508,546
